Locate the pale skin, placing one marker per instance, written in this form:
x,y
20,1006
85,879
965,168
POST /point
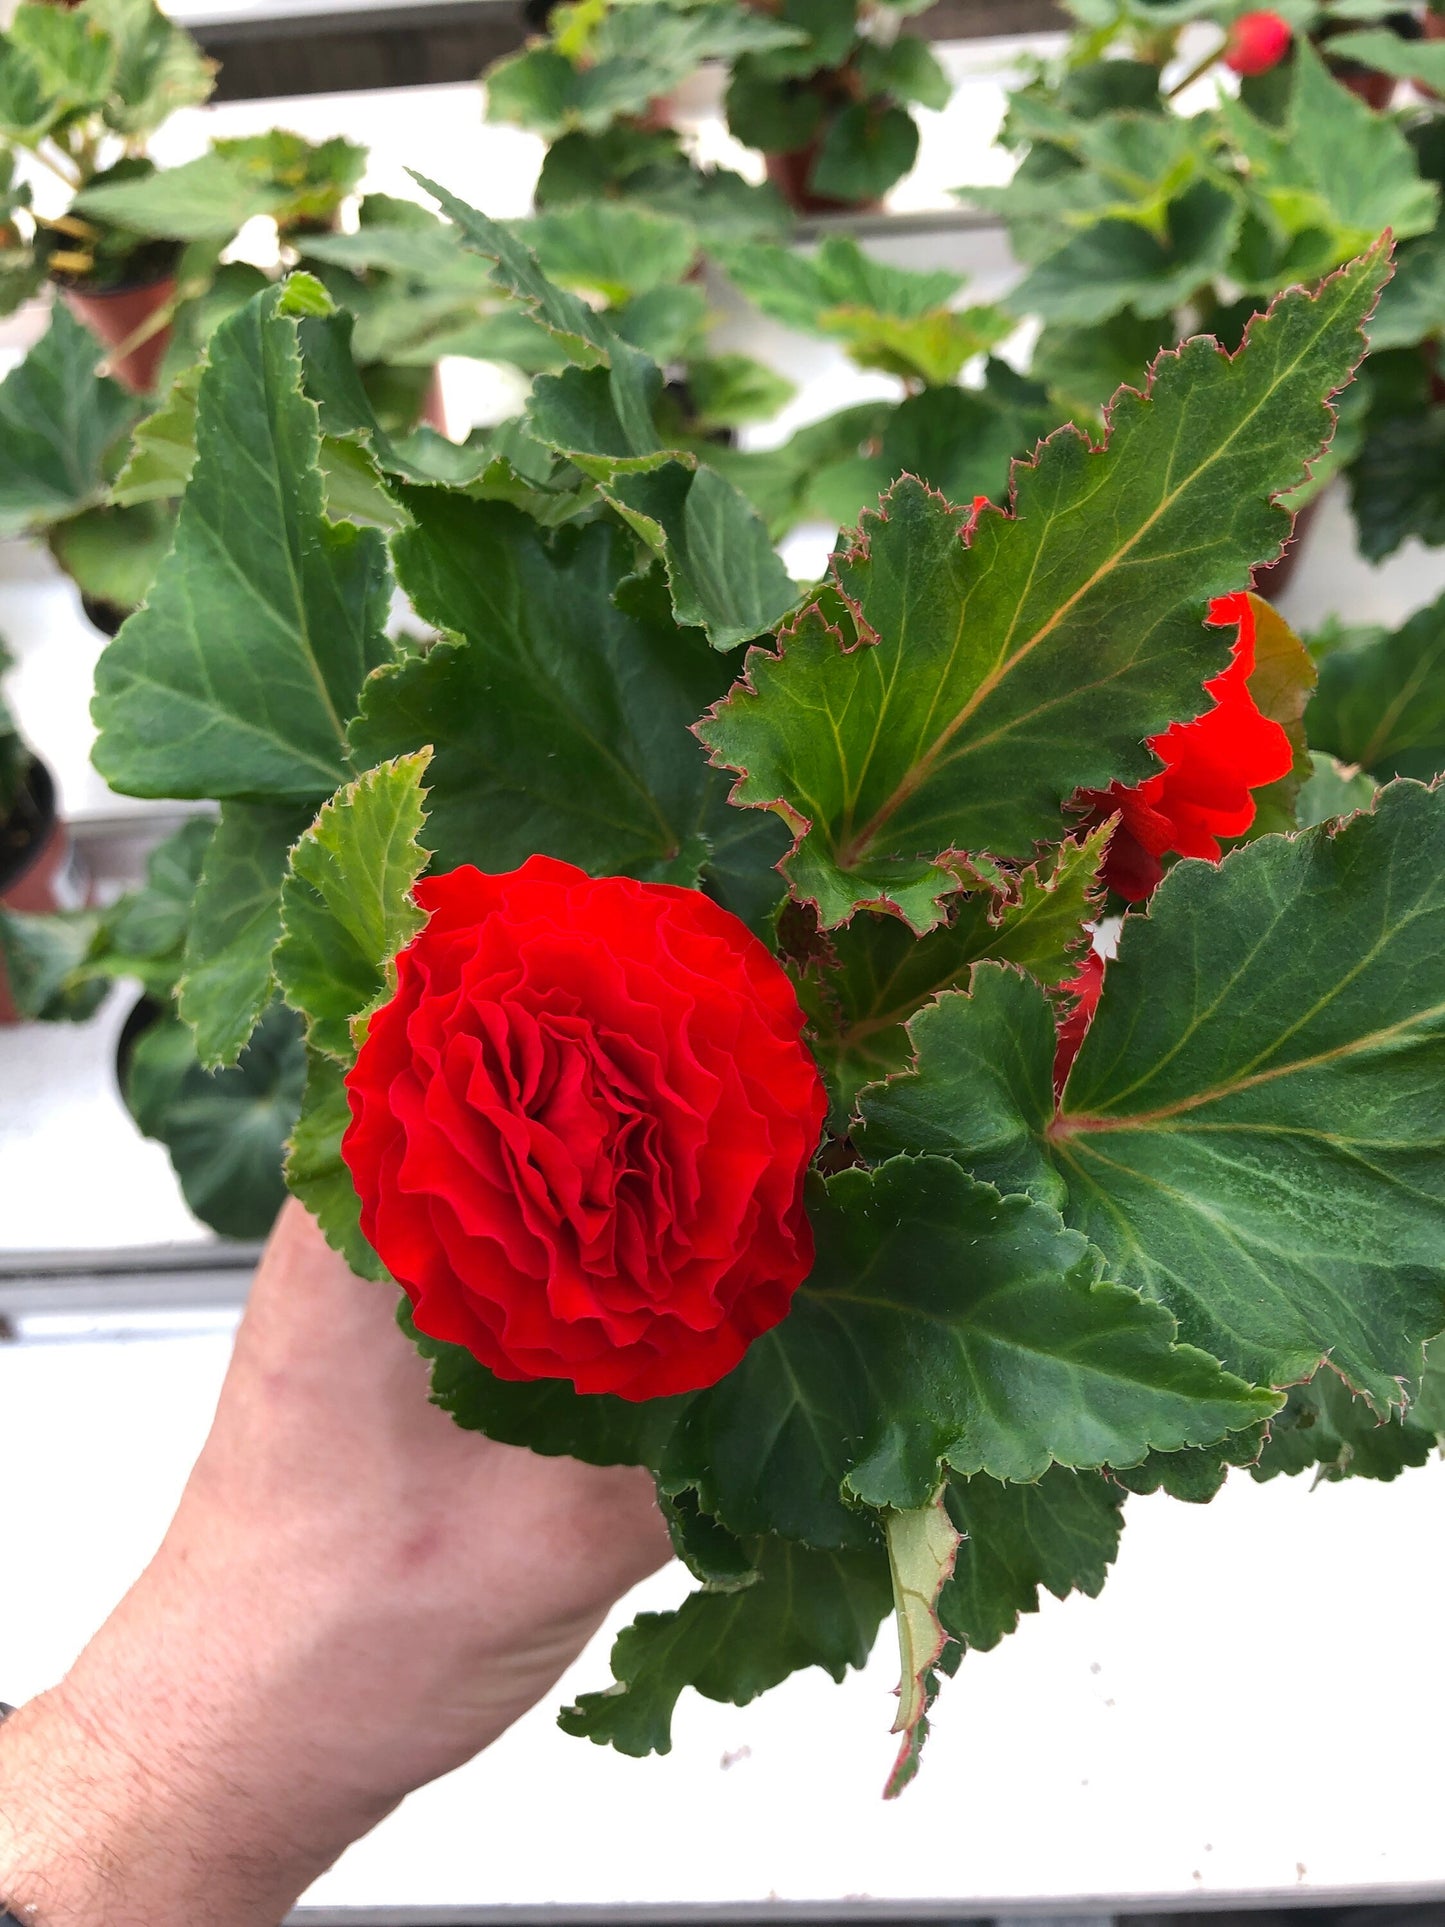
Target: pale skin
x,y
354,1597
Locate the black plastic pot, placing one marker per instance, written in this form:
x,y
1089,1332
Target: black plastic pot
x,y
143,1013
26,830
37,869
105,616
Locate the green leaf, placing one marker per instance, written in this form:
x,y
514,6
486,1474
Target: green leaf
x,y
559,720
225,1130
712,1554
313,178
867,147
1412,308
1381,707
942,1323
1062,1533
1083,367
639,51
961,441
981,1088
163,446
807,1609
59,422
928,348
1259,1147
722,572
316,1171
614,250
1397,483
798,289
1325,1430
1333,790
1125,168
235,927
42,964
144,934
1195,1477
908,69
1389,53
922,1546
1336,171
239,676
112,554
727,391
1043,651
780,481
1119,264
159,68
346,905
721,569
74,59
333,381
863,983
208,199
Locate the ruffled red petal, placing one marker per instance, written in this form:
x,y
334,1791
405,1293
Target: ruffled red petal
x,y
580,1129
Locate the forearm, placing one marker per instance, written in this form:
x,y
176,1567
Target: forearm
x,y
354,1598
141,1793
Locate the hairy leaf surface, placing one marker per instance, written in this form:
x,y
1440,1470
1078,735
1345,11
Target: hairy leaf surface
x,y
807,1608
998,672
1252,1130
239,676
346,906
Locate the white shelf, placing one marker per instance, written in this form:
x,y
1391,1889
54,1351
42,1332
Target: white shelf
x,y
1251,1707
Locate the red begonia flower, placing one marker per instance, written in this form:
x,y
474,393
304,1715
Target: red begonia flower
x,y
1212,766
580,1129
1257,42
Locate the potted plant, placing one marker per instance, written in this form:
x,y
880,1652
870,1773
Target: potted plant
x,y
224,1130
38,871
84,88
1138,224
716,957
64,430
830,112
960,438
595,88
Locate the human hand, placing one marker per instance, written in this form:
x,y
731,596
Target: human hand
x,y
354,1597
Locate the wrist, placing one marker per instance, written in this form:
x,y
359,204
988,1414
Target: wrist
x,y
148,1795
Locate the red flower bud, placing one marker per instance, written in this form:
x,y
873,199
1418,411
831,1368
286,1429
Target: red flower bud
x,y
1257,42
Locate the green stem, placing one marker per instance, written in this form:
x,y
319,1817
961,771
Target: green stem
x,y
1196,72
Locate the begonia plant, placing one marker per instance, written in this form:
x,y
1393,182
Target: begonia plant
x,y
730,1018
596,87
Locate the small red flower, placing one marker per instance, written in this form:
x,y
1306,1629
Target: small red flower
x,y
1212,766
581,1126
1257,42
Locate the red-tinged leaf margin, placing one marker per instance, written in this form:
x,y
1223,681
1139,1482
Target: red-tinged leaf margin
x,y
955,863
922,1548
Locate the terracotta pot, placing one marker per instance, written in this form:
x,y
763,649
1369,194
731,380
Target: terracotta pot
x,y
1271,579
434,407
115,315
39,870
790,174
